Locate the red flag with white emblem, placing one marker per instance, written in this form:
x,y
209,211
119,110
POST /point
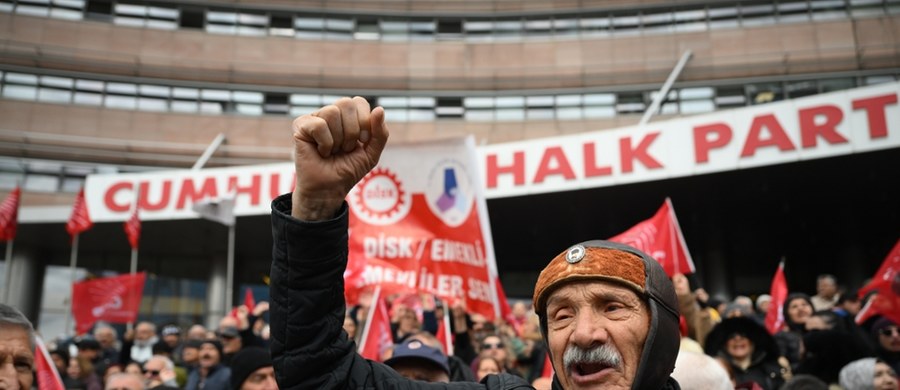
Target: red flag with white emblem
x,y
115,300
661,238
9,215
80,220
779,293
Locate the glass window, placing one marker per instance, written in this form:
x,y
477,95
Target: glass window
x,y
89,85
568,113
540,113
419,101
185,93
509,101
149,104
595,112
122,88
61,82
249,109
309,100
421,115
21,92
568,100
393,101
67,14
247,97
539,101
510,114
88,98
130,9
185,106
40,183
21,78
764,93
211,108
54,95
397,115
837,84
870,80
32,10
72,184
215,94
121,102
599,99
154,90
478,102
696,93
479,115
697,106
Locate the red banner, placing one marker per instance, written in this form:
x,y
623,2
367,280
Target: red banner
x,y
779,293
80,220
886,283
116,300
47,376
417,225
376,336
661,238
9,215
133,229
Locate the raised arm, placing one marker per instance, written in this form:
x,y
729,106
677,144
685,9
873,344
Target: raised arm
x,y
333,148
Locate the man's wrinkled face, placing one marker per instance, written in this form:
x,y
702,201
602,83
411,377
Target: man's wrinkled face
x,y
596,332
16,358
209,355
261,379
152,369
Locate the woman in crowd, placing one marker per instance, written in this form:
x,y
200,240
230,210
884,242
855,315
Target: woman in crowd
x,y
887,333
868,374
81,375
749,351
797,309
484,366
829,346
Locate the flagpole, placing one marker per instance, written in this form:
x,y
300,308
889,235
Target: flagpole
x,y
72,261
229,281
8,277
367,326
448,334
134,251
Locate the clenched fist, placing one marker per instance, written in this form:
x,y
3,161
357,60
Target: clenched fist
x,y
334,148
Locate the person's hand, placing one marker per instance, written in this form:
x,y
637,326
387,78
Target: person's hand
x,y
702,295
334,148
167,375
129,335
243,321
260,308
682,286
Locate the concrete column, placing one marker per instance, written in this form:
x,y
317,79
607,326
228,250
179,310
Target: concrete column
x,y
26,282
215,292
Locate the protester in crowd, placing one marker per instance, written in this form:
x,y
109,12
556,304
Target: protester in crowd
x,y
125,381
826,293
828,346
797,309
460,371
110,371
699,321
81,375
251,369
197,332
495,347
134,368
109,344
159,373
350,326
848,305
696,371
485,365
804,382
210,373
190,353
762,305
171,337
888,348
868,374
60,359
596,297
749,350
16,349
137,345
416,360
90,350
230,337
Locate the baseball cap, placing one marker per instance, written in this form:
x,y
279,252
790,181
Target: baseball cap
x,y
415,350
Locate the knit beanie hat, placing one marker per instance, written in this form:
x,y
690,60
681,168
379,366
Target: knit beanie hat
x,y
245,362
215,343
859,375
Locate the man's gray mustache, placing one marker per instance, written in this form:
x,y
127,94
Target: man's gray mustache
x,y
604,354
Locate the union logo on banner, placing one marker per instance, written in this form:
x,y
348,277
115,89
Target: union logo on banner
x,y
417,224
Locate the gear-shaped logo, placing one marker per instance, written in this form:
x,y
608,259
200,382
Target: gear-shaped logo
x,y
379,198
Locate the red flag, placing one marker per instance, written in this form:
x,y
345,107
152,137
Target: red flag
x,y
133,229
80,220
505,311
661,238
249,301
779,293
116,300
376,336
443,332
9,215
886,283
547,372
47,376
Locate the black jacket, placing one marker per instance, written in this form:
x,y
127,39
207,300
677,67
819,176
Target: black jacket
x,y
309,348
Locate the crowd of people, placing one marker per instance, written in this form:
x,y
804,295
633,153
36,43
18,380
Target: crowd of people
x,y
604,315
